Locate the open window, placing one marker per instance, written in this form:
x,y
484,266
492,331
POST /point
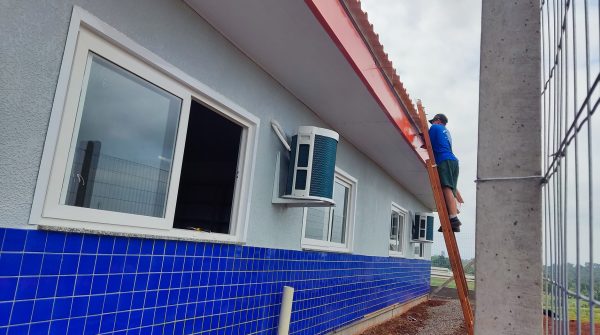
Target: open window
x,y
331,228
397,230
133,142
208,174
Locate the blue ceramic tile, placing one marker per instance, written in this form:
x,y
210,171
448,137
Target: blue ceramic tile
x,y
26,288
159,247
79,306
36,241
159,315
73,243
92,325
14,239
120,246
114,283
110,303
144,264
124,301
86,264
141,282
156,263
161,299
127,283
8,287
90,244
69,264
66,286
134,246
147,247
21,312
39,328
18,330
58,327
131,263
117,263
10,263
96,304
150,300
5,308
153,280
147,317
165,281
135,319
107,323
121,321
42,310
106,245
99,284
83,285
51,264
76,326
170,247
62,308
55,242
102,264
32,264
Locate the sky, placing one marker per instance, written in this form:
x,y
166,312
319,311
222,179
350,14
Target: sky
x,y
434,46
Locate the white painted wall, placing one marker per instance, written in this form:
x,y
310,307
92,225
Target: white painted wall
x,y
32,38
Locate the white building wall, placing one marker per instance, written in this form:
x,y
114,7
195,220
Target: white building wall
x,y
32,39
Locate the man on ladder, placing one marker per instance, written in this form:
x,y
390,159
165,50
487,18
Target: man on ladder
x,y
447,166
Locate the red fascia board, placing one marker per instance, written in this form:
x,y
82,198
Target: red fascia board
x,y
333,17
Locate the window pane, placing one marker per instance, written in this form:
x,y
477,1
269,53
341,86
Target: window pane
x,y
394,232
123,149
317,219
400,232
338,229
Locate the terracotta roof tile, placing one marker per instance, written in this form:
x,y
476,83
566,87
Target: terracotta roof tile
x,y
361,19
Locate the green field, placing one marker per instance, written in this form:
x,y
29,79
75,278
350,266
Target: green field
x,y
584,310
439,281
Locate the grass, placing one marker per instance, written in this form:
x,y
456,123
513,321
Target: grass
x,y
439,281
584,310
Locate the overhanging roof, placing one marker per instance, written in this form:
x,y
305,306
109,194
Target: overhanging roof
x,y
322,56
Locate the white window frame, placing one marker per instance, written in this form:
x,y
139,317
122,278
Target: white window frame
x,y
421,254
350,182
89,34
401,212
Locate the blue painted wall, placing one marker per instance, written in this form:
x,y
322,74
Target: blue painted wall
x,y
68,283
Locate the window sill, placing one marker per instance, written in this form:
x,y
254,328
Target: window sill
x,y
317,245
397,254
136,232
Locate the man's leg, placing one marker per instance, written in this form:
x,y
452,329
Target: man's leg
x,y
450,201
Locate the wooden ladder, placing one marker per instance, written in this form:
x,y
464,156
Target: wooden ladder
x,y
450,239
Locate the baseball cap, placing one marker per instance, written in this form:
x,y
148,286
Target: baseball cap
x,y
440,117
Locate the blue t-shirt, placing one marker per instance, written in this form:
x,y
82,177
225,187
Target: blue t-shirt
x,y
441,143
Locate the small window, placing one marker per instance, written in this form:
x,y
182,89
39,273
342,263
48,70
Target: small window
x,y
330,228
397,229
419,250
137,144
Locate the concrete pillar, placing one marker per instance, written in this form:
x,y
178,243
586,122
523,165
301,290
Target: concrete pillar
x,y
509,226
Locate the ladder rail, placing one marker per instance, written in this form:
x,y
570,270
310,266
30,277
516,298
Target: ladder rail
x,y
449,238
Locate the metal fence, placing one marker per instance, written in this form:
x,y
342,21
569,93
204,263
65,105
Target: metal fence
x,y
570,32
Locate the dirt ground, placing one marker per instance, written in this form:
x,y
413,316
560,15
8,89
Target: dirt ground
x,y
434,317
585,327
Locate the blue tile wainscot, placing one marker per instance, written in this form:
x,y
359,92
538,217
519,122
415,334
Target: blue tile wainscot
x,y
69,283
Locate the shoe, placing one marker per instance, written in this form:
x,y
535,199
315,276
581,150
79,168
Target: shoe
x,y
455,222
455,229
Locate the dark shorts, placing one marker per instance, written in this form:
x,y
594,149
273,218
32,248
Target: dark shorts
x,y
448,171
